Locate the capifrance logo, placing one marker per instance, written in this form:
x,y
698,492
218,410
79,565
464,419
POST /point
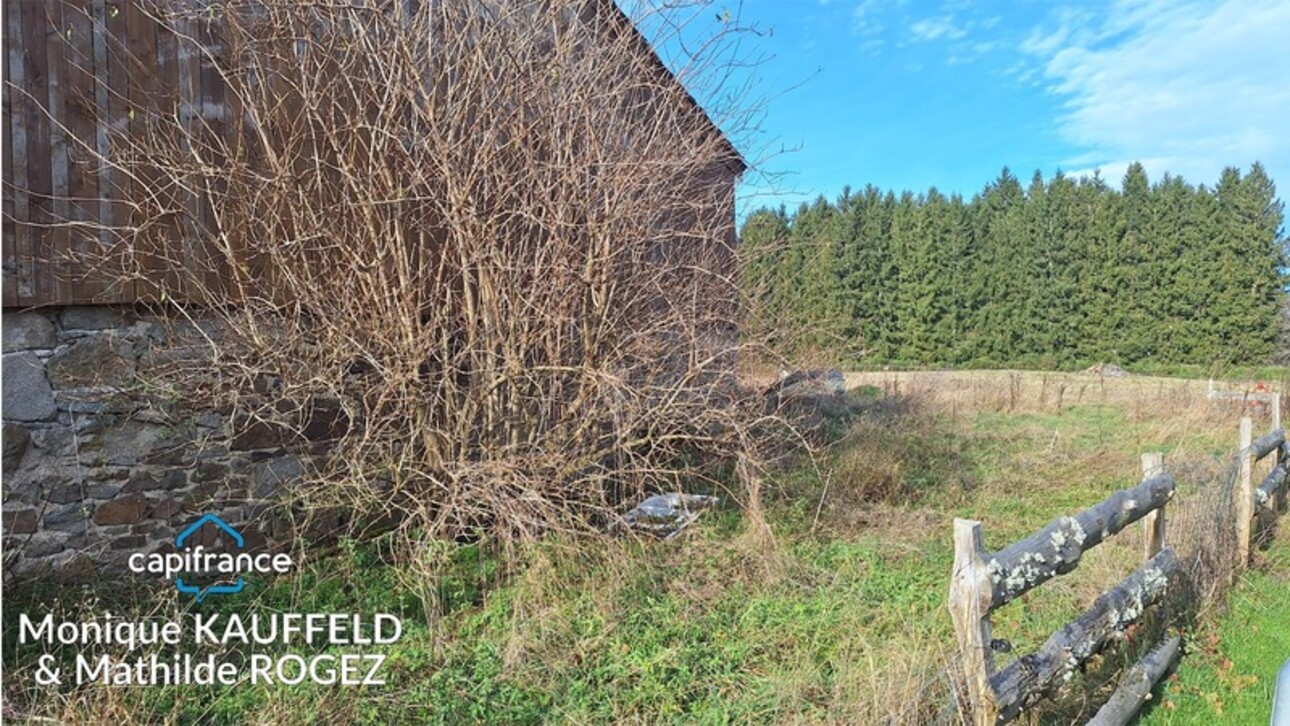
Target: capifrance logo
x,y
213,648
199,572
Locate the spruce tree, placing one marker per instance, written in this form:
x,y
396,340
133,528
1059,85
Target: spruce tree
x,y
1062,272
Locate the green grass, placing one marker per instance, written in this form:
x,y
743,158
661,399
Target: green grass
x,y
1229,671
667,632
1074,458
837,616
1271,374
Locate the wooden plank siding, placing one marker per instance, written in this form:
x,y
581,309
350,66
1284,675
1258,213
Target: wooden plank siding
x,y
81,120
140,65
11,59
78,74
167,102
42,272
116,186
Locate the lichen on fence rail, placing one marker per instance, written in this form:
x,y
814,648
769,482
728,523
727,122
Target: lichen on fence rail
x,y
1028,679
982,582
1057,548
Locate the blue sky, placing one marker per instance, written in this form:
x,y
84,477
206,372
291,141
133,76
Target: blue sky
x,y
917,93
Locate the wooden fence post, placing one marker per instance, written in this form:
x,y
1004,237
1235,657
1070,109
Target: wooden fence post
x,y
1153,525
1276,453
1279,502
1245,494
970,595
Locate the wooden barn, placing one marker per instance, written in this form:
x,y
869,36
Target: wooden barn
x,y
80,74
100,238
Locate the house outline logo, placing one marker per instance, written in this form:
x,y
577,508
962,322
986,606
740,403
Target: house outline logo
x,y
219,587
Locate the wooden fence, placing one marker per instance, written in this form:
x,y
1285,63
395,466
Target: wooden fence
x,y
1249,397
982,582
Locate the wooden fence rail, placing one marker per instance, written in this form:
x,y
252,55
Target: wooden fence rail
x,y
1247,396
1030,678
1057,548
1267,443
1273,486
981,582
1137,685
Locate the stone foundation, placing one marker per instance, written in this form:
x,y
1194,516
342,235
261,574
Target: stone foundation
x,y
98,467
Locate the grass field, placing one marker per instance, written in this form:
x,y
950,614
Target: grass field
x,y
827,608
1230,669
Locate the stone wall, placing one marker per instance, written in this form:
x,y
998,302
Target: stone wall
x,y
98,465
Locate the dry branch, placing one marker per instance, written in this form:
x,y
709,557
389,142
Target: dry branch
x,y
1024,682
497,236
1057,548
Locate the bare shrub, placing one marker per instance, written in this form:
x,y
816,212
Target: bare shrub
x,y
492,242
893,453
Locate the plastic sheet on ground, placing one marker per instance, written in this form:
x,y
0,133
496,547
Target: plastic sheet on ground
x,y
666,515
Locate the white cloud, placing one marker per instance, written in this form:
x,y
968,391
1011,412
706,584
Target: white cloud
x,y
864,17
1113,172
868,16
1189,87
936,28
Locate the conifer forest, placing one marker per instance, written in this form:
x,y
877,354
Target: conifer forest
x,y
1055,273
